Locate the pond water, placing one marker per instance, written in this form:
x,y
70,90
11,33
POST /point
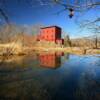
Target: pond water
x,y
50,76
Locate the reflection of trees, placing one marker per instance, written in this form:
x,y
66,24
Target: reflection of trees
x,y
25,90
89,87
18,63
18,81
25,83
98,63
65,58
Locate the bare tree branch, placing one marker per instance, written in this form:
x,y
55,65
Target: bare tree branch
x,y
4,15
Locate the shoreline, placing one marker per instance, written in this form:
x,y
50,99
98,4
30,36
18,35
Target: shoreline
x,y
71,50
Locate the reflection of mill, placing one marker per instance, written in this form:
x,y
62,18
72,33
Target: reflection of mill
x,y
52,60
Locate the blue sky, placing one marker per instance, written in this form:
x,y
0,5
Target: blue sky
x,y
23,12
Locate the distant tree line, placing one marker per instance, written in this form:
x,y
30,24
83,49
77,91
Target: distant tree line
x,y
90,42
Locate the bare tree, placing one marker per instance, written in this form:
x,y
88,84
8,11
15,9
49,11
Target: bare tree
x,y
67,41
77,5
93,27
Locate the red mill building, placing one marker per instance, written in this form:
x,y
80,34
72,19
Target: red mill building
x,y
52,34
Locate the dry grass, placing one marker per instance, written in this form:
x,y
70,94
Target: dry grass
x,y
18,49
93,51
10,48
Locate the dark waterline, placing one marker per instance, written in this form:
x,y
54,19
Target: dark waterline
x,y
50,76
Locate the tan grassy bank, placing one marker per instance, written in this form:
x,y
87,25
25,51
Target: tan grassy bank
x,y
73,50
18,49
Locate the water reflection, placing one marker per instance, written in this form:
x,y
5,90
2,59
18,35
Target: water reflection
x,y
51,60
89,86
32,78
